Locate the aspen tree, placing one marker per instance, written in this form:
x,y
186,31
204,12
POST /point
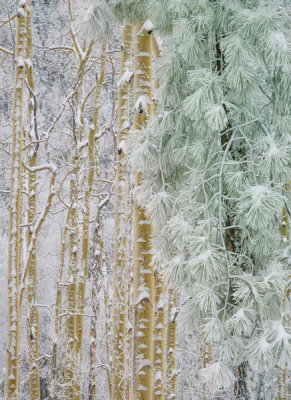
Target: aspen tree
x,y
282,373
206,351
56,363
121,275
72,283
73,263
33,315
86,212
170,390
57,366
97,242
107,307
73,233
98,261
12,369
76,276
159,297
143,290
72,376
73,339
58,356
159,337
129,330
97,267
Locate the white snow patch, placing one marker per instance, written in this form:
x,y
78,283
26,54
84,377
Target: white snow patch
x,y
142,388
141,104
125,78
279,39
122,147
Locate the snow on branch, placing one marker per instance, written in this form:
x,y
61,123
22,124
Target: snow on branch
x,y
36,229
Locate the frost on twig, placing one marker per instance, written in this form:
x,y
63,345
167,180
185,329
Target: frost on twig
x,y
96,21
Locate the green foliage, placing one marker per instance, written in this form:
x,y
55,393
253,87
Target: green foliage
x,y
215,166
130,10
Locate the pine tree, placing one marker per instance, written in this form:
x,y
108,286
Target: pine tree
x,y
214,168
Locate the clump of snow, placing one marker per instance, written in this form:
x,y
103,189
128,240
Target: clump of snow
x,y
122,147
125,78
279,39
141,104
147,26
217,375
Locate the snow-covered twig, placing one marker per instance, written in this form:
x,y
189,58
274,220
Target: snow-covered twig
x,y
36,230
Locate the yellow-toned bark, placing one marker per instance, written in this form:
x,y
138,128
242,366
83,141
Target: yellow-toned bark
x,y
143,290
282,373
96,284
107,306
96,268
206,351
75,286
33,316
88,191
159,337
121,275
160,315
71,308
86,213
171,375
12,368
57,362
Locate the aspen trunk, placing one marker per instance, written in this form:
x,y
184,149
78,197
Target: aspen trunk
x,y
97,267
107,324
73,343
206,349
97,247
121,219
129,297
56,363
170,391
12,369
143,290
159,337
86,217
160,316
58,353
282,374
96,285
129,330
33,315
72,284
73,334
